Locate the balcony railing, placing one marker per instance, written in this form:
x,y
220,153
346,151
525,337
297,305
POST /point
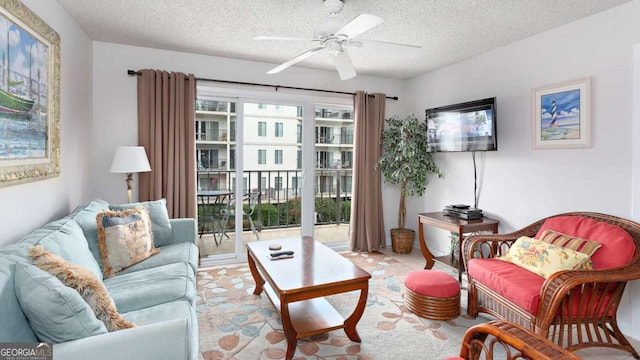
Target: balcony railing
x,y
279,205
335,140
220,135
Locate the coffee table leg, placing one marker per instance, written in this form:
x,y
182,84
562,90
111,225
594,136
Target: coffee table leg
x,y
256,275
350,323
289,332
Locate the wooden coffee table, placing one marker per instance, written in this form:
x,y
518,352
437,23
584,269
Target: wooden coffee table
x,y
296,287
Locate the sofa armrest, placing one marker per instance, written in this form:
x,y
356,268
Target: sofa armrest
x,y
184,230
164,340
494,245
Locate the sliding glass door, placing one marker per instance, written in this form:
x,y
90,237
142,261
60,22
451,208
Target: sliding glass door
x,y
270,169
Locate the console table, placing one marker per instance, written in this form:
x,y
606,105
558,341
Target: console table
x,y
454,225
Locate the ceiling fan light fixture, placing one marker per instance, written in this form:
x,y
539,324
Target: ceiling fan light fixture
x,y
333,7
333,47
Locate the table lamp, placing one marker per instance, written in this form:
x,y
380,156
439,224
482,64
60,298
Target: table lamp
x,y
129,160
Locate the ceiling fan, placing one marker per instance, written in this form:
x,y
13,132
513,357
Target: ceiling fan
x,y
335,36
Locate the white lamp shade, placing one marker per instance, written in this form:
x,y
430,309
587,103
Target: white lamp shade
x,y
130,159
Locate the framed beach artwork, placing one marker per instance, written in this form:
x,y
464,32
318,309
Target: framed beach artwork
x,y
562,115
29,96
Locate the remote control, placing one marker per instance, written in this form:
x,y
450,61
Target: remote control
x,y
281,253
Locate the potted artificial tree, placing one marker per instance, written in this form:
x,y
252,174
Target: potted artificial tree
x,y
405,162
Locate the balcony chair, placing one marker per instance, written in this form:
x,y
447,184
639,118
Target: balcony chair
x,y
573,308
253,198
506,340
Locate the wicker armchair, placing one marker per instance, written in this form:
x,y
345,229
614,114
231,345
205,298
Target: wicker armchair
x,y
505,340
577,308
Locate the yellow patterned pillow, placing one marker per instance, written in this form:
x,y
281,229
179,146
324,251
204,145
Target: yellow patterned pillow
x,y
124,238
543,258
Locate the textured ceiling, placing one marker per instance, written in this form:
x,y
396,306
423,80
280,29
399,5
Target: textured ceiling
x,y
448,30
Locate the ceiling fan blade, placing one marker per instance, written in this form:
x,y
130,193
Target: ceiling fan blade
x,y
402,50
344,65
287,38
296,59
360,24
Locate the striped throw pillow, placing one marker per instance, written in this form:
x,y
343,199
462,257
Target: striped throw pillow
x,y
569,242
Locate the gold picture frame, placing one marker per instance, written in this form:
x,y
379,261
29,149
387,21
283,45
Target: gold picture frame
x,y
29,96
562,115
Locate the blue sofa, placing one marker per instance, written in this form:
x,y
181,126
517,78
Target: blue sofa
x,y
157,294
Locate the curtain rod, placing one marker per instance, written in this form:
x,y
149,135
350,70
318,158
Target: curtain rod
x,y
132,72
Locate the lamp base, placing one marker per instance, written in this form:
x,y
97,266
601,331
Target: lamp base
x,y
129,186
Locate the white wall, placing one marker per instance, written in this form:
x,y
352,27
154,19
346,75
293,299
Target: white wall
x,y
519,184
115,105
27,206
633,292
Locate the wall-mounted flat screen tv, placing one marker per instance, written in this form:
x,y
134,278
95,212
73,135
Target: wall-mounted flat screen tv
x,y
469,126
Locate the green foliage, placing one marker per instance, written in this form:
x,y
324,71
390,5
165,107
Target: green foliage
x,y
291,212
345,210
326,209
405,160
269,213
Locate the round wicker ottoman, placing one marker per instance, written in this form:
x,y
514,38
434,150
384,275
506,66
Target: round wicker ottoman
x,y
432,294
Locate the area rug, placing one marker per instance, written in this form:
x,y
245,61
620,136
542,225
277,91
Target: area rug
x,y
235,324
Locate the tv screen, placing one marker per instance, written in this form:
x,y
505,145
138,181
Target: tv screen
x,y
469,126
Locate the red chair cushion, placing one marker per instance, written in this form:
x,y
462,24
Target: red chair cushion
x,y
432,283
617,247
520,286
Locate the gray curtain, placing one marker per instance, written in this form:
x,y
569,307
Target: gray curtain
x,y
367,223
166,129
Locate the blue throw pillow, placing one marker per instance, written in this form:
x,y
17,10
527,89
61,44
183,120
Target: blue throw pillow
x,y
85,216
56,313
160,224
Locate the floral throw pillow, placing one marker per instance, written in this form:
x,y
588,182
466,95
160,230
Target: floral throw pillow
x,y
124,238
543,258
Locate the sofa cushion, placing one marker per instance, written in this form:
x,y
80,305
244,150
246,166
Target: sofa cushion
x,y
544,258
170,311
65,238
85,216
520,286
124,238
170,254
56,312
82,280
15,326
150,287
617,247
161,226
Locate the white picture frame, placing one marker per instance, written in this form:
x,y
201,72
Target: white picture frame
x,y
561,115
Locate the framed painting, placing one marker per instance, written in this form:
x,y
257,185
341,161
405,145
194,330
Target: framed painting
x,y
562,115
29,96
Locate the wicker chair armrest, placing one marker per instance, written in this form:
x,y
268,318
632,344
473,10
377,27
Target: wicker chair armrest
x,y
513,339
560,284
494,242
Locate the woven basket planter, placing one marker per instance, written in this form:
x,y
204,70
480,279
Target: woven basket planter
x,y
402,240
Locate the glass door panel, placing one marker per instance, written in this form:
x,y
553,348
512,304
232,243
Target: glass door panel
x,y
332,175
270,194
214,148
